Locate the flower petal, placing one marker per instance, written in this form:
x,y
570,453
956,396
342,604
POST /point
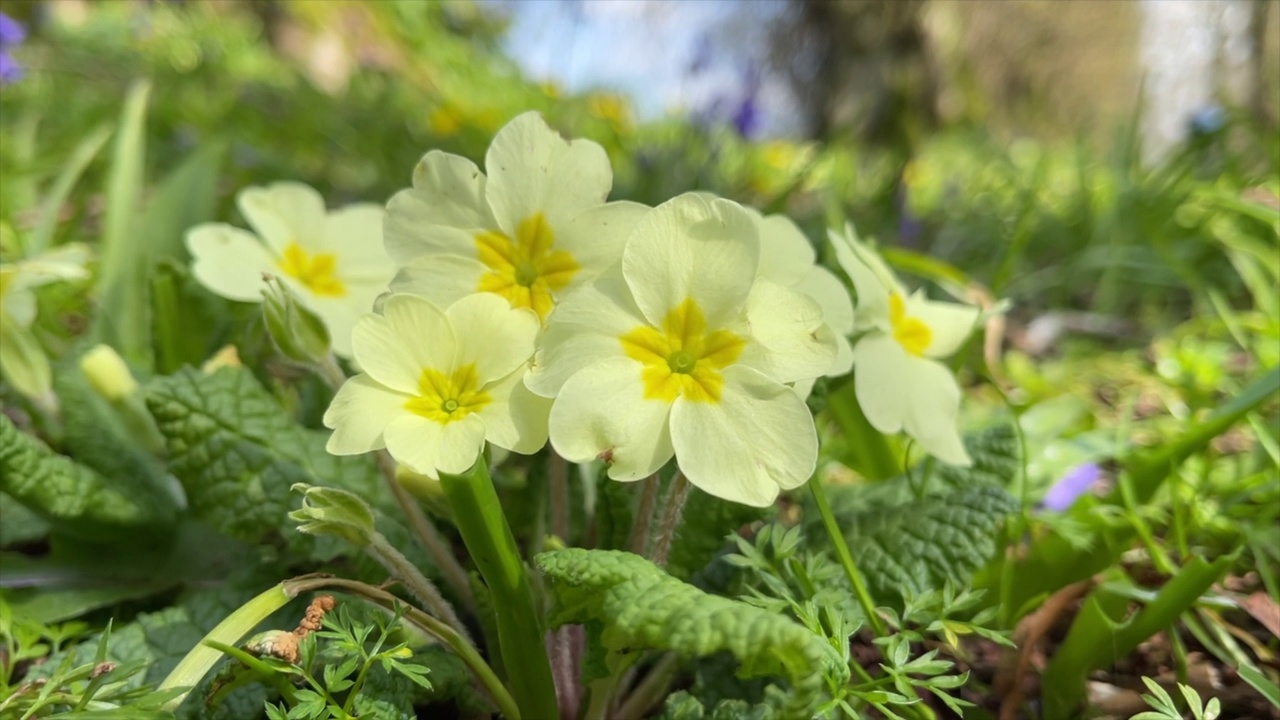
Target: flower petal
x,y
786,255
354,234
442,279
601,412
584,329
229,261
340,315
491,334
443,211
360,411
871,287
791,342
950,324
409,336
595,238
429,448
691,247
532,169
759,439
516,418
831,295
283,213
901,392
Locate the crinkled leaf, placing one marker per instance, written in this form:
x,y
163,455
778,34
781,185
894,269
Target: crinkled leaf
x,y
643,607
916,547
73,498
237,452
19,524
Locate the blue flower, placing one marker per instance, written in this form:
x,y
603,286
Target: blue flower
x,y
11,33
1078,481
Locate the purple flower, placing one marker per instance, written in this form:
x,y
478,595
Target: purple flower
x,y
1078,481
11,33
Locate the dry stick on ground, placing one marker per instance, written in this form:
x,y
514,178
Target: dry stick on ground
x,y
1031,629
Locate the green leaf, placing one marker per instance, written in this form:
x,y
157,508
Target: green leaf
x,y
642,607
237,452
56,197
120,269
1101,633
73,498
1261,683
18,524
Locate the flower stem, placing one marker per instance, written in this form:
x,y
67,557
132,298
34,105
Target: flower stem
x,y
465,651
650,690
846,558
426,532
418,585
558,475
677,494
638,541
484,529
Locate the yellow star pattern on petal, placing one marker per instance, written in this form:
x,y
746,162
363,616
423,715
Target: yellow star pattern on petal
x,y
683,359
527,271
317,272
446,398
910,332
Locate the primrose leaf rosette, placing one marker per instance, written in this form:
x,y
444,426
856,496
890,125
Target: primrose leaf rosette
x,y
438,384
899,382
334,261
532,229
682,349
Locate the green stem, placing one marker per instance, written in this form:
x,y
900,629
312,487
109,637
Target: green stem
x,y
672,510
418,585
846,558
488,538
650,690
638,542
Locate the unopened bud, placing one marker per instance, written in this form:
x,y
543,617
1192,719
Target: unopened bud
x,y
297,332
108,374
330,511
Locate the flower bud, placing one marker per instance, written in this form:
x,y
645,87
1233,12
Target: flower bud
x,y
108,374
330,511
300,335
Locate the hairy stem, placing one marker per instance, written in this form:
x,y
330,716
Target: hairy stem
x,y
415,582
638,541
558,476
672,510
650,690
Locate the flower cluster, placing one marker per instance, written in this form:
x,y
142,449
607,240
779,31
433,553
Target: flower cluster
x,y
525,306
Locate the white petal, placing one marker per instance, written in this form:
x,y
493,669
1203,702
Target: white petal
x,y
786,255
831,295
585,328
411,335
443,212
872,289
340,315
790,340
354,234
516,418
689,247
950,324
757,440
284,212
902,392
360,411
429,448
229,261
491,334
532,169
596,237
442,279
601,412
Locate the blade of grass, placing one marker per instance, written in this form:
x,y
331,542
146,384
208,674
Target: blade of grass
x,y
47,220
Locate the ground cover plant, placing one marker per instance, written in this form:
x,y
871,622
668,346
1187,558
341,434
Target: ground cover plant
x,y
441,393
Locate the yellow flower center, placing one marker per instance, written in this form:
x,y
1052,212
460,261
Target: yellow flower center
x,y
446,398
910,332
317,272
527,271
683,359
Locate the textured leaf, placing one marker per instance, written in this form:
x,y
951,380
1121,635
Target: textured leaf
x,y
643,607
908,545
237,452
73,498
921,546
18,524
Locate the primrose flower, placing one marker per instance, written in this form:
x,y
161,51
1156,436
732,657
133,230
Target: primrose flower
x,y
438,384
683,349
535,227
898,380
334,261
787,258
